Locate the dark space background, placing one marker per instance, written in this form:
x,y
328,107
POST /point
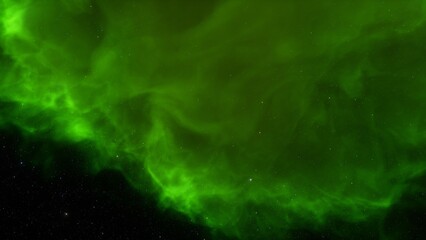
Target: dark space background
x,y
70,204
74,205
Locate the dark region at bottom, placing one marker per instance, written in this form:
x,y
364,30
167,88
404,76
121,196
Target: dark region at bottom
x,y
68,203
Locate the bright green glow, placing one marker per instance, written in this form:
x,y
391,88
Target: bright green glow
x,y
250,117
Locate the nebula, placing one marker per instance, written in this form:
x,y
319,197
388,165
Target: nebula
x,y
250,117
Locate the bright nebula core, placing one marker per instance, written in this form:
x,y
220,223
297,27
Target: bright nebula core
x,y
253,118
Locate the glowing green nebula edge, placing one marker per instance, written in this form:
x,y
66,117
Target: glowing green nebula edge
x,y
247,116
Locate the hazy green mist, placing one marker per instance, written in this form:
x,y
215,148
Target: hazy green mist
x,y
251,117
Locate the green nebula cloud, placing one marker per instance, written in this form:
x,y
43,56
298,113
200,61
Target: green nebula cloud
x,y
251,117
